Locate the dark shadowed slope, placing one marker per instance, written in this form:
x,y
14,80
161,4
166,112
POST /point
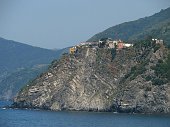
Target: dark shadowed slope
x,y
17,55
20,63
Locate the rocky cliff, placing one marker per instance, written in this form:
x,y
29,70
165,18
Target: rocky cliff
x,y
100,79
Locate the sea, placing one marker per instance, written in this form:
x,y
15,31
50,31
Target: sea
x,y
44,118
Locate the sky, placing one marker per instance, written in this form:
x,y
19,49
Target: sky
x,y
55,24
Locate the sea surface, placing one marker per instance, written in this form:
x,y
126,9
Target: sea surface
x,y
42,118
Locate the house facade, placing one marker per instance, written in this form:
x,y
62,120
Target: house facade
x,y
103,43
112,44
157,41
120,45
127,45
73,50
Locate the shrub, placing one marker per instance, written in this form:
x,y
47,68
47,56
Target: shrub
x,y
137,70
113,52
162,69
148,78
156,47
157,81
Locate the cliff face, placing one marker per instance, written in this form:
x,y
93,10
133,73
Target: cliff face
x,y
101,80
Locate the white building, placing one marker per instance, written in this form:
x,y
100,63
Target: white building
x,y
128,45
157,41
112,44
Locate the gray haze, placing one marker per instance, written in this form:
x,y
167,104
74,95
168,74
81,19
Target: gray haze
x,y
62,23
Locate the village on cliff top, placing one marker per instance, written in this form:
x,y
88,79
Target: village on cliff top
x,y
106,43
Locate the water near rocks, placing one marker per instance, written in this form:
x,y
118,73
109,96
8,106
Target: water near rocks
x,y
41,118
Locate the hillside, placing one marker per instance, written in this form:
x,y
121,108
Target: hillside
x,y
17,55
20,63
157,26
15,80
134,79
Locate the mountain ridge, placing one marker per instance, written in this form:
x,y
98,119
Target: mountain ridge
x,y
21,59
130,31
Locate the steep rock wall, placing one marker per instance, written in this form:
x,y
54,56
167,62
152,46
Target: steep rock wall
x,y
100,80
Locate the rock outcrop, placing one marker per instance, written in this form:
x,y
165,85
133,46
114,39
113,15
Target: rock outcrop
x,y
97,79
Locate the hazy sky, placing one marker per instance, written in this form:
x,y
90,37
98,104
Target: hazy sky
x,y
62,23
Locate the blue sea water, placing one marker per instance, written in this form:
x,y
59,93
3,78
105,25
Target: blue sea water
x,y
42,118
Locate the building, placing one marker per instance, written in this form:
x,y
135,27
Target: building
x,y
104,42
120,45
112,44
82,44
126,45
92,44
73,50
157,41
87,44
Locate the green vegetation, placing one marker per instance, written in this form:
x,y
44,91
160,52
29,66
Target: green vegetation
x,y
162,69
16,80
148,78
113,52
136,70
143,44
17,55
158,81
156,47
157,26
142,49
20,63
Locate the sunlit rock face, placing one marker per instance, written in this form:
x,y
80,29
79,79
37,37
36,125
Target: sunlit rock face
x,y
100,79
